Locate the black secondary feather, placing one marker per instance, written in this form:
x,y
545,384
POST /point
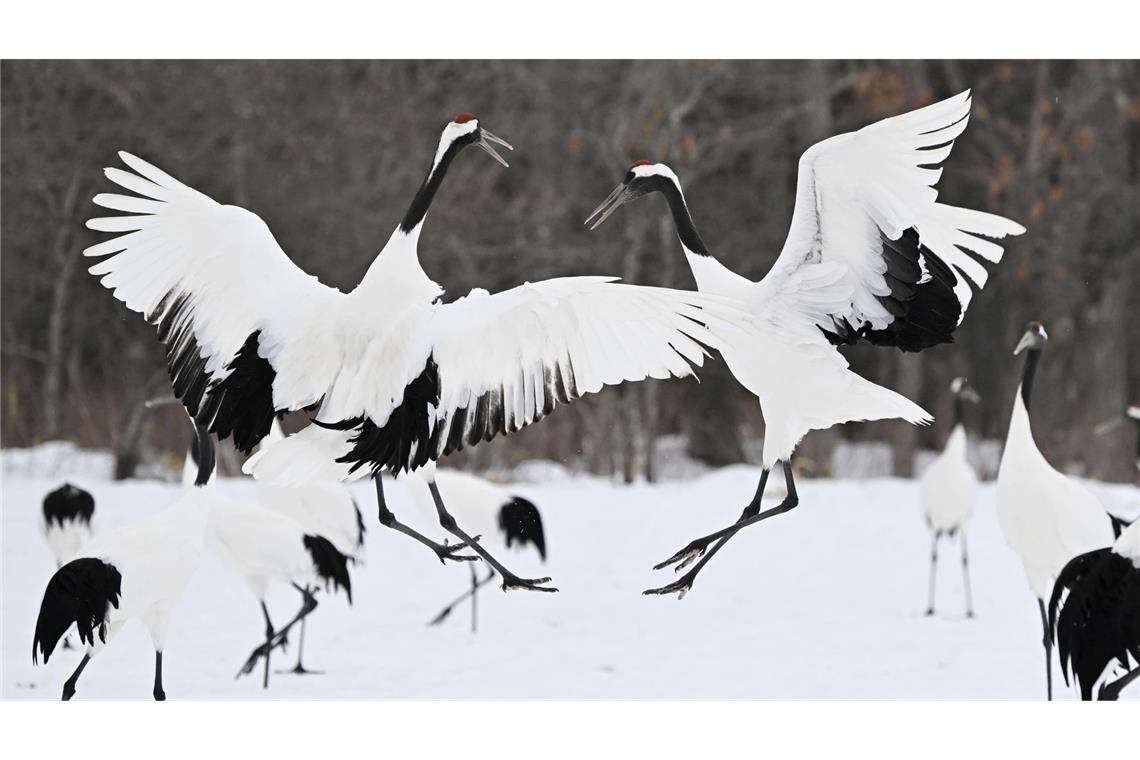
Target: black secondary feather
x,y
80,592
330,564
68,503
925,313
1098,598
520,521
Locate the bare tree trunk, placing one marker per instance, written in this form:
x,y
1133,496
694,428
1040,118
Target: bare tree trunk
x,y
57,316
136,427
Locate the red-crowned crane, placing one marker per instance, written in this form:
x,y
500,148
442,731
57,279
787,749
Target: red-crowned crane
x,y
1046,517
399,377
871,255
949,491
138,571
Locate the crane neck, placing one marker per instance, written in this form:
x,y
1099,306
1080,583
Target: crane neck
x,y
959,409
683,221
1028,372
414,216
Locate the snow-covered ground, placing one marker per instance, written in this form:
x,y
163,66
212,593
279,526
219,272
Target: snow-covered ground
x,y
824,602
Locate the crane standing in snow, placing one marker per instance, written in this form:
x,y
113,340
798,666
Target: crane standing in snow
x,y
262,546
949,492
504,520
400,378
1046,518
139,571
870,256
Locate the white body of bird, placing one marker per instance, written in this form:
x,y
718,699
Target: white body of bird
x,y
1046,517
949,486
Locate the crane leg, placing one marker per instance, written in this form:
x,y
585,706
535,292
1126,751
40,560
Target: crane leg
x,y
69,684
462,597
159,694
933,572
699,549
280,638
388,520
1048,642
966,574
299,669
268,638
510,580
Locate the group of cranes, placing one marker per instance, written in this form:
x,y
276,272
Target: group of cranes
x,y
395,379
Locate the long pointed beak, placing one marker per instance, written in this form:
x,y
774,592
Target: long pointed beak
x,y
152,403
485,142
971,395
1025,342
1108,426
607,207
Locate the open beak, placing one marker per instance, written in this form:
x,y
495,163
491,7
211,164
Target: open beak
x,y
1025,342
611,204
487,141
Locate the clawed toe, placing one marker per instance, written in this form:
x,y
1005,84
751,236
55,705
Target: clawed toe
x,y
694,551
529,584
448,551
679,587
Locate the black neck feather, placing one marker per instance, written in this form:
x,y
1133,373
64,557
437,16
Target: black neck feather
x,y
426,194
686,230
959,409
1032,356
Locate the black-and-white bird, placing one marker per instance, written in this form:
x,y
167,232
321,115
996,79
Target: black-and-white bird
x,y
136,572
871,255
1098,628
1046,518
400,377
264,546
949,491
504,520
321,509
67,513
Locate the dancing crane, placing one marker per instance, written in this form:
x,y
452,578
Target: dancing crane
x,y
399,378
870,256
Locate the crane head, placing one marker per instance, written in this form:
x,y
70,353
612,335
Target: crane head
x,y
465,130
643,178
1033,339
962,389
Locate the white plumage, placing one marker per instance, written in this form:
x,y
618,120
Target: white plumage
x,y
870,255
401,377
1045,517
138,571
948,492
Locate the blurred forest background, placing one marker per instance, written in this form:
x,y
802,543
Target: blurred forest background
x,y
330,153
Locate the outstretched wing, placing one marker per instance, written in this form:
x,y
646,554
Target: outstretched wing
x,y
240,322
491,364
871,255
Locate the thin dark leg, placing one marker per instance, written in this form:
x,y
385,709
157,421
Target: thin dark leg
x,y
268,639
299,669
462,597
700,547
388,520
280,638
1111,692
510,580
1048,642
966,574
933,573
474,599
69,684
159,694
